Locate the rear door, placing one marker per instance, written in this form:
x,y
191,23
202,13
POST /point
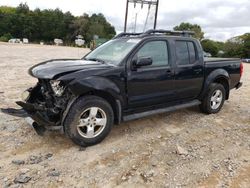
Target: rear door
x,y
151,85
189,69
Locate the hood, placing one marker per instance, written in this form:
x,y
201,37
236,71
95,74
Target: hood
x,y
53,68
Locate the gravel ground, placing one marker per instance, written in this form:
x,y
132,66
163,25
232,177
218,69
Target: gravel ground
x,y
180,149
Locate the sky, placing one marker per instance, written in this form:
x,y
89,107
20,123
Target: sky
x,y
219,19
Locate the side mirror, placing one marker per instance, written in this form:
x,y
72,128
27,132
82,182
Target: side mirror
x,y
143,61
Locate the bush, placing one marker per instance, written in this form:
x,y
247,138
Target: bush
x,y
6,37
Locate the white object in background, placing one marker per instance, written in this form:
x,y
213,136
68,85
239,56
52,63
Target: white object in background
x,y
25,41
79,42
58,41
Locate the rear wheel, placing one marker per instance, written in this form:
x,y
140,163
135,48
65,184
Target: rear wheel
x,y
214,99
89,120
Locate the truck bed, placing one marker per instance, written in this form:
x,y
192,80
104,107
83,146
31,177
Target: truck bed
x,y
230,65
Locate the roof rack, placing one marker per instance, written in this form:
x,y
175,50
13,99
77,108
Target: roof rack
x,y
169,32
158,31
124,34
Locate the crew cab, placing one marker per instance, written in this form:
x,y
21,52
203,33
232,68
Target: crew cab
x,y
129,77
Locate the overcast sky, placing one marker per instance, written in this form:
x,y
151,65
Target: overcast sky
x,y
220,19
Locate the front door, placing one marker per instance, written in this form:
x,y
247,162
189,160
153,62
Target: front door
x,y
152,84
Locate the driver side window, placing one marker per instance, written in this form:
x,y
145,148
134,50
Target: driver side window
x,y
157,50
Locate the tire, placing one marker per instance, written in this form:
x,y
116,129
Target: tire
x,y
83,127
209,103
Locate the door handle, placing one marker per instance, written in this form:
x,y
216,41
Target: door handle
x,y
197,71
169,72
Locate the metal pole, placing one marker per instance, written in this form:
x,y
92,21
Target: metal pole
x,y
126,17
135,22
156,12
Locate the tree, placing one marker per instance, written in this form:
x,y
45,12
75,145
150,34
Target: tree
x,y
246,45
96,24
48,24
22,8
5,37
199,34
210,47
238,46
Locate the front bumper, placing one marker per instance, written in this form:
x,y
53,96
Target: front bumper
x,y
238,85
37,120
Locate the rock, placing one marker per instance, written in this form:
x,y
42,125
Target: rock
x,y
33,159
54,172
48,155
18,162
7,184
11,128
216,166
150,173
147,177
181,151
22,178
230,168
124,178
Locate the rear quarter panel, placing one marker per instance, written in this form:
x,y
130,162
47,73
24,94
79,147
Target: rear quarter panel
x,y
230,66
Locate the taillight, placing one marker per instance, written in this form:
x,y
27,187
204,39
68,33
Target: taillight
x,y
241,69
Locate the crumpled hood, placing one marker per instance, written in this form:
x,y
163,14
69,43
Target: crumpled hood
x,y
53,68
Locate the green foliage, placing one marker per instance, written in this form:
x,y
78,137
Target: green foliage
x,y
238,46
8,10
233,49
210,47
46,25
6,37
93,25
246,45
199,34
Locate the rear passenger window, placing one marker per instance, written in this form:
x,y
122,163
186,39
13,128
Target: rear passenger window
x,y
182,53
185,52
192,54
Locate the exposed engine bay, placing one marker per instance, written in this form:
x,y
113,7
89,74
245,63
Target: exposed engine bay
x,y
46,102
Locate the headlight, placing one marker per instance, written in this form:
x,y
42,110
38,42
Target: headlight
x,y
57,87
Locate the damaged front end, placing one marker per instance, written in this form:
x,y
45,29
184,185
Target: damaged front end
x,y
45,105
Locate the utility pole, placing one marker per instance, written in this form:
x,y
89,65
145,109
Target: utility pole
x,y
142,2
135,22
156,13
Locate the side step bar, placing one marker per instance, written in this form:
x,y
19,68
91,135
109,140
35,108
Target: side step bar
x,y
161,110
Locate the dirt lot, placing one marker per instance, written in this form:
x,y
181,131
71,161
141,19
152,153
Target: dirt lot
x,y
180,149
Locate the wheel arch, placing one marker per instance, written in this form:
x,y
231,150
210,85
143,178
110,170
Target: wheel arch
x,y
114,103
223,81
220,76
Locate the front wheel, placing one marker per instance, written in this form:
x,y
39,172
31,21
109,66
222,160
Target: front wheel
x,y
214,99
89,120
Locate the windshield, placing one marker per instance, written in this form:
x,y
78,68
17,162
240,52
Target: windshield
x,y
113,51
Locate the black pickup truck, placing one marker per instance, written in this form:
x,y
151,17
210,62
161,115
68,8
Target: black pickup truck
x,y
129,77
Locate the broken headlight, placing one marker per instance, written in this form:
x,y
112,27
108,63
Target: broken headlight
x,y
57,87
